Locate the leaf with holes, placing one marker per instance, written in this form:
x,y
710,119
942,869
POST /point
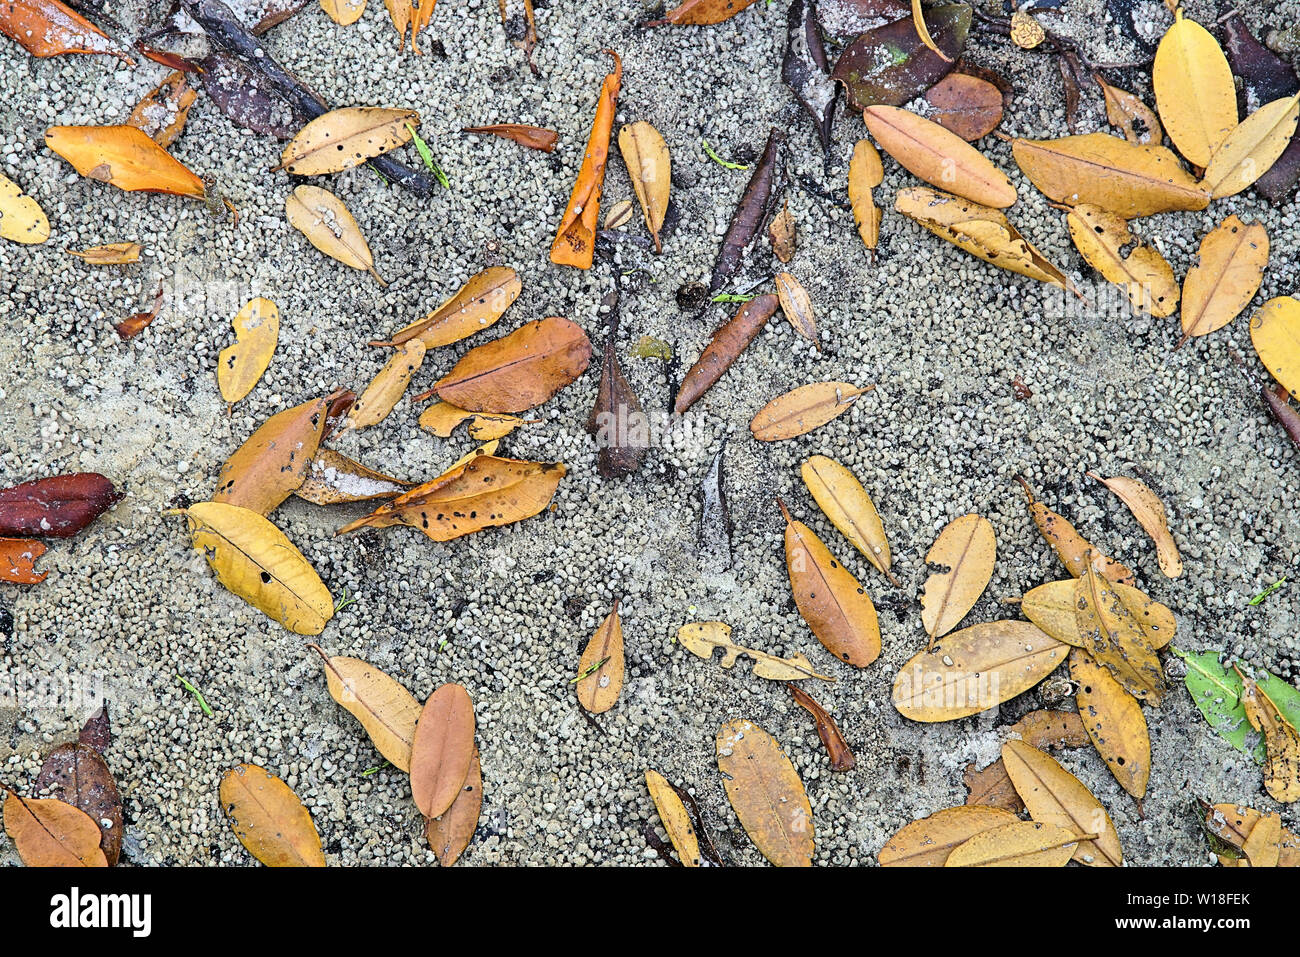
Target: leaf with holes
x,y
967,548
1114,721
347,137
1109,246
240,366
21,218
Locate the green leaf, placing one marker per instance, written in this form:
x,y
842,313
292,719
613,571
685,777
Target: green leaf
x,y
1267,591
718,159
426,154
731,297
1217,693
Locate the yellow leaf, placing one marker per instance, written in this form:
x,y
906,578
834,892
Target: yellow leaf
x,y
846,503
21,217
1114,721
269,819
1026,32
1194,90
967,547
1281,743
1234,824
1113,637
123,156
646,155
766,793
1252,148
1019,844
865,174
676,819
1263,846
1150,513
1101,237
1275,333
441,419
1055,796
257,330
321,216
975,669
929,841
387,387
255,561
475,306
600,669
1050,606
804,409
344,138
1229,269
344,12
114,254
939,156
702,638
387,711
1130,180
797,306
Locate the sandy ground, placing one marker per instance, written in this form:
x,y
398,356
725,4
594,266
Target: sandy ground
x,y
128,605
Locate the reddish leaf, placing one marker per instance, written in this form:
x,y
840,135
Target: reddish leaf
x,y
76,774
534,137
133,326
47,28
837,748
724,348
97,732
56,507
442,750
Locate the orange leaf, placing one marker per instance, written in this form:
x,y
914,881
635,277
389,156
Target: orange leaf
x,y
534,137
47,28
124,156
17,556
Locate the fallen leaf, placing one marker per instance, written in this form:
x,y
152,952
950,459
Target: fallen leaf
x,y
797,306
702,638
975,669
749,214
938,156
1127,113
442,750
646,155
46,28
783,235
891,65
21,218
1252,148
1020,844
766,793
482,491
269,819
967,549
518,371
1150,514
450,834
837,749
1114,721
114,254
676,819
1104,239
334,478
475,306
600,669
76,774
254,560
803,409
1217,693
321,216
1275,333
619,215
240,366
1194,90
243,95
50,833
1112,635
97,732
1051,730
1130,180
617,422
848,18
387,711
1026,32
966,105
135,324
347,137
441,419
163,112
56,507
125,157
693,13
929,841
715,517
1071,548
1234,824
1051,607
1281,743
575,241
17,559
1264,75
918,22
344,12
533,137
731,339
846,503
1228,271
1056,797
991,787
865,174
387,387
806,70
1263,847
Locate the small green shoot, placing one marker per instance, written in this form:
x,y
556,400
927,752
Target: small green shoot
x,y
198,695
719,160
592,670
731,297
378,767
344,600
1280,583
375,170
426,154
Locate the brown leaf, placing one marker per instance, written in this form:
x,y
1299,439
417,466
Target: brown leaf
x,y
1234,824
600,669
797,306
17,558
766,793
450,834
76,774
46,28
837,748
991,788
749,214
966,105
804,409
1056,797
1281,743
1150,514
56,507
518,371
1051,730
967,549
163,112
114,254
783,235
334,479
928,842
442,750
269,819
701,12
134,325
731,339
534,137
1127,113
125,157
575,241
50,833
97,732
617,422
1071,548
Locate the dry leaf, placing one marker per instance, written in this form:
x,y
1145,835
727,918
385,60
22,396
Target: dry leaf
x,y
837,749
518,371
1234,824
1071,548
922,31
991,787
123,156
334,478
46,28
17,561
835,606
344,12
803,409
254,560
534,137
1055,796
749,215
50,833
1228,271
474,307
1150,514
806,70
979,230
58,506
575,241
21,218
1128,179
450,834
114,254
387,387
928,842
865,174
1194,90
347,137
966,105
1114,721
797,306
617,421
975,669
269,819
1051,607
676,819
1114,638
163,112
442,750
1264,845
1281,743
443,417
1026,32
648,165
1252,148
76,773
889,63
1130,115
481,491
619,215
783,235
387,711
702,638
766,793
1275,333
1020,844
701,12
731,339
321,216
135,324
938,156
240,366
1103,238
967,548
600,669
846,503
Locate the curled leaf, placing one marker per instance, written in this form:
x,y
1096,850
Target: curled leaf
x,y
575,241
1127,113
46,28
163,112
797,306
334,478
837,749
17,561
695,13
1150,514
783,234
1113,637
1281,742
1071,548
114,254
534,137
749,214
806,70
